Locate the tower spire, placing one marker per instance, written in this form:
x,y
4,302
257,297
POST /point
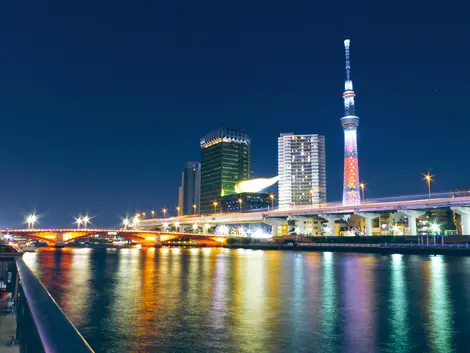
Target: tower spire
x,y
350,122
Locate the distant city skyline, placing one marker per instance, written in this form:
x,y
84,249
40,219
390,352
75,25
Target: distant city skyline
x,y
101,109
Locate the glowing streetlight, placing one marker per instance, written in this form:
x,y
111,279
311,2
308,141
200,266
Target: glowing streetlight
x,y
135,221
195,226
194,209
152,212
435,228
164,212
125,222
363,186
78,221
165,226
177,210
271,197
30,220
215,206
86,220
428,179
143,215
240,202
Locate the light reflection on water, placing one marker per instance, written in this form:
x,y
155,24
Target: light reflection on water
x,y
214,300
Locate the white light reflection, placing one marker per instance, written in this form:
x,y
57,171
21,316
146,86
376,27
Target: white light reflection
x,y
399,326
439,308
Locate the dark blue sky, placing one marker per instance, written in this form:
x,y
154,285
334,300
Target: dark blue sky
x,y
101,102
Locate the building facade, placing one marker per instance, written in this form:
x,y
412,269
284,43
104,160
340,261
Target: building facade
x,y
246,202
226,159
301,169
189,191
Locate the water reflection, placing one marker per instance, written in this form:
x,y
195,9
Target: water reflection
x,y
329,312
440,310
217,300
399,327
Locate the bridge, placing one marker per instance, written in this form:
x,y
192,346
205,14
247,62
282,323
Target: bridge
x,y
410,206
61,236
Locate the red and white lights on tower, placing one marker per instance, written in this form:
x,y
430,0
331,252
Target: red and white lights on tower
x,y
350,122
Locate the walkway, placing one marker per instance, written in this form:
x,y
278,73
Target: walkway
x,y
7,329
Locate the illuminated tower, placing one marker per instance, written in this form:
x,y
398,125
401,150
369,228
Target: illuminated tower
x,y
350,122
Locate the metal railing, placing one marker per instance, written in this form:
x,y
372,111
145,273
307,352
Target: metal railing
x,y
41,321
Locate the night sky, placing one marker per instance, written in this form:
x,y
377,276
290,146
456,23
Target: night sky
x,y
102,102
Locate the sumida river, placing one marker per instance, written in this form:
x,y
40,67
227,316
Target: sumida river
x,y
218,300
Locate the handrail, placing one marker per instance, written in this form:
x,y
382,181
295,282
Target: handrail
x,y
57,333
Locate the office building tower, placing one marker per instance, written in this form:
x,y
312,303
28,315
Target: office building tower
x,y
225,161
302,170
189,191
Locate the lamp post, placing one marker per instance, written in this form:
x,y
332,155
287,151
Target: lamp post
x,y
125,222
86,220
428,179
177,210
363,186
152,212
78,221
164,212
240,202
194,209
215,206
272,196
31,220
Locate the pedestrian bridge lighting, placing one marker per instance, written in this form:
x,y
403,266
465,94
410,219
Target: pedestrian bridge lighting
x,y
31,219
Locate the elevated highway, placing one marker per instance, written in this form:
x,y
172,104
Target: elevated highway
x,y
370,209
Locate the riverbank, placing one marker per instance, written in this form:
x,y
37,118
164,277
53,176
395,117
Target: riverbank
x,y
460,250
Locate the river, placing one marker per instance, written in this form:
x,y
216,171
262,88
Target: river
x,y
219,300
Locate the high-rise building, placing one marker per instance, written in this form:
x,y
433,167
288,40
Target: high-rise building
x,y
302,169
226,159
350,122
189,191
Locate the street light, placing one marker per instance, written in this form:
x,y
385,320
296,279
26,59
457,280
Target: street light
x,y
215,206
177,210
135,221
195,226
435,228
194,209
78,221
428,179
363,186
86,220
152,212
272,196
165,226
240,201
30,220
143,215
125,222
164,212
